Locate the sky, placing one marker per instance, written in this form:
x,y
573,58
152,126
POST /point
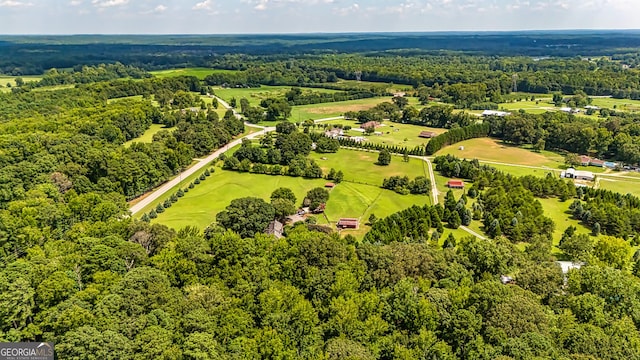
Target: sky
x,y
309,16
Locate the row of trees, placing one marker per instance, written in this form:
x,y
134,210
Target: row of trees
x,y
456,135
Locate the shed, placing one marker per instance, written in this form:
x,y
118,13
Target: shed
x,y
330,185
455,184
427,134
572,173
348,223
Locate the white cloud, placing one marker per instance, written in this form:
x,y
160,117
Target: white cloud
x,y
109,3
205,5
156,10
13,3
75,2
344,11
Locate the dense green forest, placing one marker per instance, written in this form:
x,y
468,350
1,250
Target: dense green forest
x,y
77,269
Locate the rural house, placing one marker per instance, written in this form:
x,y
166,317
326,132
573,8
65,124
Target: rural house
x,y
495,113
275,228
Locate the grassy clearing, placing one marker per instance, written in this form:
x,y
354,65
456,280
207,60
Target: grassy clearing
x,y
256,95
147,137
332,109
11,80
201,204
394,134
623,186
619,104
349,199
494,150
359,166
200,73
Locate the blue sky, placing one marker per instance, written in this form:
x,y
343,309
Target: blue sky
x,y
294,16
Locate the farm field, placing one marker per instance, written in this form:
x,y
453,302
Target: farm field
x,y
359,166
5,79
200,73
494,150
256,95
620,104
332,109
395,134
623,186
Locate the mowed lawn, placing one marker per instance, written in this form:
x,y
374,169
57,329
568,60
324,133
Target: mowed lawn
x,y
200,73
360,167
333,109
256,95
620,185
201,204
394,134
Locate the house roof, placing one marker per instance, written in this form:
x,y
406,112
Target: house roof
x,y
348,221
329,185
275,228
585,158
597,161
428,134
456,182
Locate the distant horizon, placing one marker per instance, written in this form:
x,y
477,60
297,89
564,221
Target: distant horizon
x,y
206,17
445,32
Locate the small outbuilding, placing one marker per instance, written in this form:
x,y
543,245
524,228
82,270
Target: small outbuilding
x,y
455,184
495,113
348,223
330,185
572,173
427,134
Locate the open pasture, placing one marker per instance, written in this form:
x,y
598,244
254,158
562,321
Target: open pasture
x,y
394,134
198,72
360,167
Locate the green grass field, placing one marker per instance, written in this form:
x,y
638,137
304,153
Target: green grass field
x,y
5,79
147,137
256,95
332,109
348,199
620,104
623,186
359,166
395,134
494,150
200,73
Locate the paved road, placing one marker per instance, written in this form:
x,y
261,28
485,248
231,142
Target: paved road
x,y
198,166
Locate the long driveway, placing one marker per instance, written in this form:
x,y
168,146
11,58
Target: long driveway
x,y
198,166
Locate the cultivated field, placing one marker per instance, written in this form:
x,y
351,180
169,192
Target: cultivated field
x,y
333,109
